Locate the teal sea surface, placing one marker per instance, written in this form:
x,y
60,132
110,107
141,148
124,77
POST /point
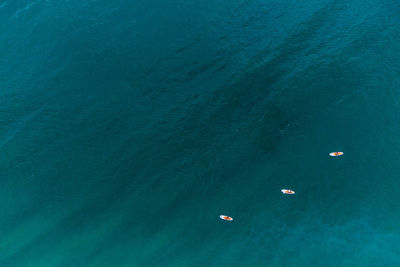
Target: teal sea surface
x,y
128,127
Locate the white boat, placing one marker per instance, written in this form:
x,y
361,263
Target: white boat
x,y
288,191
226,218
336,154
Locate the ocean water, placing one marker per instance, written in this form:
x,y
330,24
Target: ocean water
x,y
128,127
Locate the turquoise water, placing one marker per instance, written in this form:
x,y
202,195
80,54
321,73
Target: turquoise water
x,y
128,127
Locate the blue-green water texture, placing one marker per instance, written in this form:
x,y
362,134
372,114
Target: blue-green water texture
x,y
128,127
